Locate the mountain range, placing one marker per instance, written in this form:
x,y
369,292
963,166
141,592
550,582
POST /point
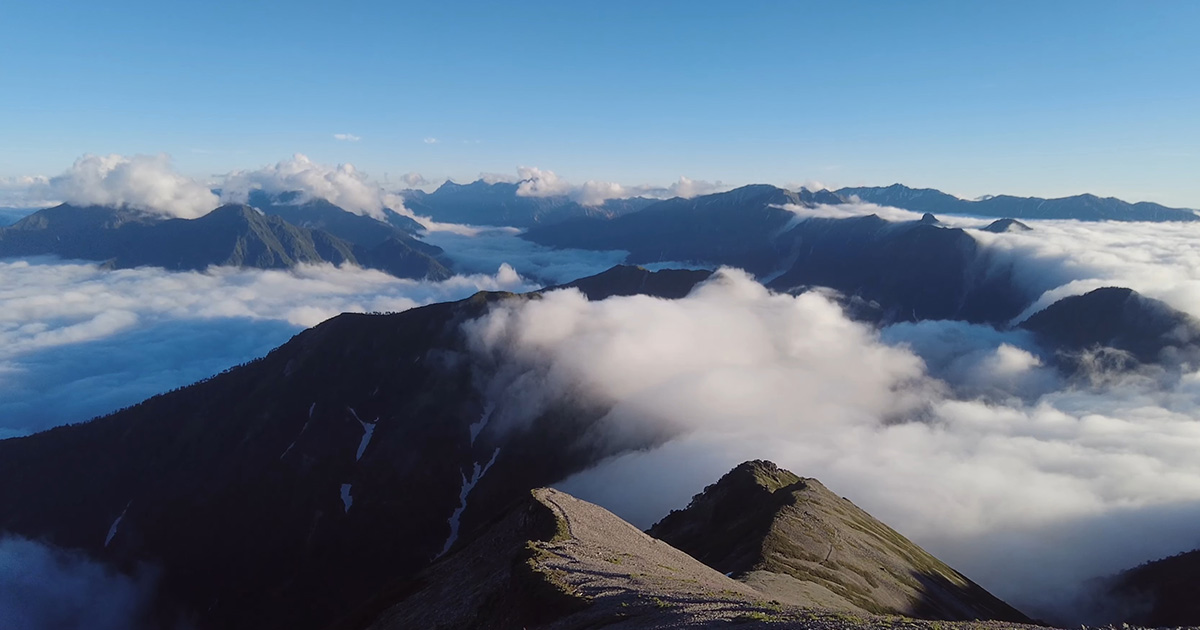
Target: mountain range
x,y
500,203
232,235
1078,207
354,476
899,270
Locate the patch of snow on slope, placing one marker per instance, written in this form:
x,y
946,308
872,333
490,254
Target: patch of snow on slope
x,y
468,485
302,430
112,530
477,427
347,500
311,408
368,431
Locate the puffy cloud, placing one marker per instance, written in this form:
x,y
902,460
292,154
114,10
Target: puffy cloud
x,y
141,182
1062,258
431,141
858,209
496,178
24,192
414,180
46,587
346,137
956,435
688,188
341,185
536,182
77,341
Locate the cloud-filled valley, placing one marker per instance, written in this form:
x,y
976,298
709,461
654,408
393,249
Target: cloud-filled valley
x,y
997,453
970,439
80,341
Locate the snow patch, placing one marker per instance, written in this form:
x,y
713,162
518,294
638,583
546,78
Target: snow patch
x,y
347,500
368,431
477,427
311,408
112,530
353,413
302,430
467,486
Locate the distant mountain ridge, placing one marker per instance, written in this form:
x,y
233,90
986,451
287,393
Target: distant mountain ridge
x,y
909,270
232,235
498,203
1083,207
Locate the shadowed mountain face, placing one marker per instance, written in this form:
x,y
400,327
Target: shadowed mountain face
x,y
1120,323
1156,594
1079,207
909,270
231,235
999,226
670,284
319,214
913,270
736,228
797,542
481,203
283,493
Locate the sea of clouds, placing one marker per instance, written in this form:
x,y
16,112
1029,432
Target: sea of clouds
x,y
962,437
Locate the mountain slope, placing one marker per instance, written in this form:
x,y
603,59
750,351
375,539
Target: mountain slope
x,y
627,280
1114,318
900,270
1079,207
735,228
798,542
231,235
914,270
319,214
1156,594
282,493
556,560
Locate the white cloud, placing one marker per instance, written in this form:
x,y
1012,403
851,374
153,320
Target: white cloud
x,y
993,469
414,180
479,250
76,340
431,141
141,182
341,185
536,182
346,137
48,587
496,178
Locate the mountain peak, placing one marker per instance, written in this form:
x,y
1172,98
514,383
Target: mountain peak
x,y
1006,225
795,541
760,472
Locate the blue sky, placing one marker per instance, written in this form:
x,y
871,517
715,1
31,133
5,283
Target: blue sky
x,y
1045,98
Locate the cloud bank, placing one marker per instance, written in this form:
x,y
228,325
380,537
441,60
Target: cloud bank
x,y
958,436
77,341
536,182
341,185
140,182
45,588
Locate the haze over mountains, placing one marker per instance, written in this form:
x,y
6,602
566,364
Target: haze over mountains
x,y
962,379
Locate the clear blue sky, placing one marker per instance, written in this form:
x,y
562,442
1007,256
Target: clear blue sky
x,y
1044,98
